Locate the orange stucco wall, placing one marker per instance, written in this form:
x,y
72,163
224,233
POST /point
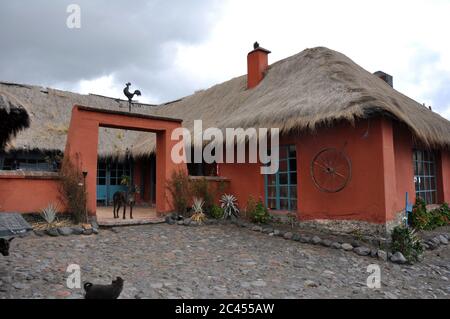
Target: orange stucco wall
x,y
443,173
245,181
371,194
404,170
367,197
28,194
380,151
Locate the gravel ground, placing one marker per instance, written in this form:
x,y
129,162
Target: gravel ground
x,y
220,261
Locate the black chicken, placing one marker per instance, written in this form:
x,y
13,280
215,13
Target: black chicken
x,y
130,95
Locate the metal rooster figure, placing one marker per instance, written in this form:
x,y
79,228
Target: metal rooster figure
x,y
130,95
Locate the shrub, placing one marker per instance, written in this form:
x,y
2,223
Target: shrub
x,y
406,241
197,209
258,212
200,188
49,213
229,206
179,186
73,190
216,212
421,219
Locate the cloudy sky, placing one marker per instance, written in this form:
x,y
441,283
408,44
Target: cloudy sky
x,y
171,48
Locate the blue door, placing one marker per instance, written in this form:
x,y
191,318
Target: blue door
x,y
109,177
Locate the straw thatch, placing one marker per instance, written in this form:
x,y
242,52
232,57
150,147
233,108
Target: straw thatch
x,y
315,87
50,112
13,117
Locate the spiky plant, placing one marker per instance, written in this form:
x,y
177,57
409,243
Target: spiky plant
x,y
49,213
197,209
229,206
406,241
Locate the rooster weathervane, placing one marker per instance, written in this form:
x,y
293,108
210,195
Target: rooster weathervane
x,y
130,95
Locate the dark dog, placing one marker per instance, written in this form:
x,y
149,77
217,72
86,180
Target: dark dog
x,y
124,199
4,246
112,291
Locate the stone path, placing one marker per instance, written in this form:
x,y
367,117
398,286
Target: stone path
x,y
220,261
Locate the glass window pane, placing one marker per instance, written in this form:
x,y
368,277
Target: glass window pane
x,y
293,165
293,205
283,166
283,179
284,191
272,204
294,192
272,192
292,151
293,178
271,179
284,204
428,197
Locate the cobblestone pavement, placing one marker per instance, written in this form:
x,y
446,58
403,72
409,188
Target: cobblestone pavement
x,y
222,261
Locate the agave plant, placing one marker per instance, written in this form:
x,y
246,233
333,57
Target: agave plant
x,y
197,208
49,213
229,206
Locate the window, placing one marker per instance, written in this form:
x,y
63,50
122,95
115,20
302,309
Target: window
x,y
31,161
425,176
112,170
281,188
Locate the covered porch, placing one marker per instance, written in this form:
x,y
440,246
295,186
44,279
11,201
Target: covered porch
x,y
142,215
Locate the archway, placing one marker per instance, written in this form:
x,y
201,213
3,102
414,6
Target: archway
x,y
82,144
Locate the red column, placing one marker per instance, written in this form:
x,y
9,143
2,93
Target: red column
x,y
81,147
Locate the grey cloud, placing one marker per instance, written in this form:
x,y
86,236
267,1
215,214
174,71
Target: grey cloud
x,y
131,39
426,63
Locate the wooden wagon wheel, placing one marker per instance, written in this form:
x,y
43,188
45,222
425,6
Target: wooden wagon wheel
x,y
331,170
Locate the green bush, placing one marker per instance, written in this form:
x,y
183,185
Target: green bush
x,y
258,212
406,241
421,219
216,212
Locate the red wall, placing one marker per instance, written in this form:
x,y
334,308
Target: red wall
x,y
369,146
371,194
28,194
404,170
245,181
443,172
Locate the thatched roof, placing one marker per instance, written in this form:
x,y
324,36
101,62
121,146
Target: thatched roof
x,y
50,112
316,87
13,117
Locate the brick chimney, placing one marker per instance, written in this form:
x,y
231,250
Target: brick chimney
x,y
257,64
385,77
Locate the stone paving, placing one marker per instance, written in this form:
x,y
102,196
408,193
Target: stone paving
x,y
219,261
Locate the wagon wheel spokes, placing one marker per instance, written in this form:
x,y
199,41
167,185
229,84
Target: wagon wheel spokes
x,y
331,170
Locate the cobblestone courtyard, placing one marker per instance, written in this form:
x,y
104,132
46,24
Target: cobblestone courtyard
x,y
221,261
